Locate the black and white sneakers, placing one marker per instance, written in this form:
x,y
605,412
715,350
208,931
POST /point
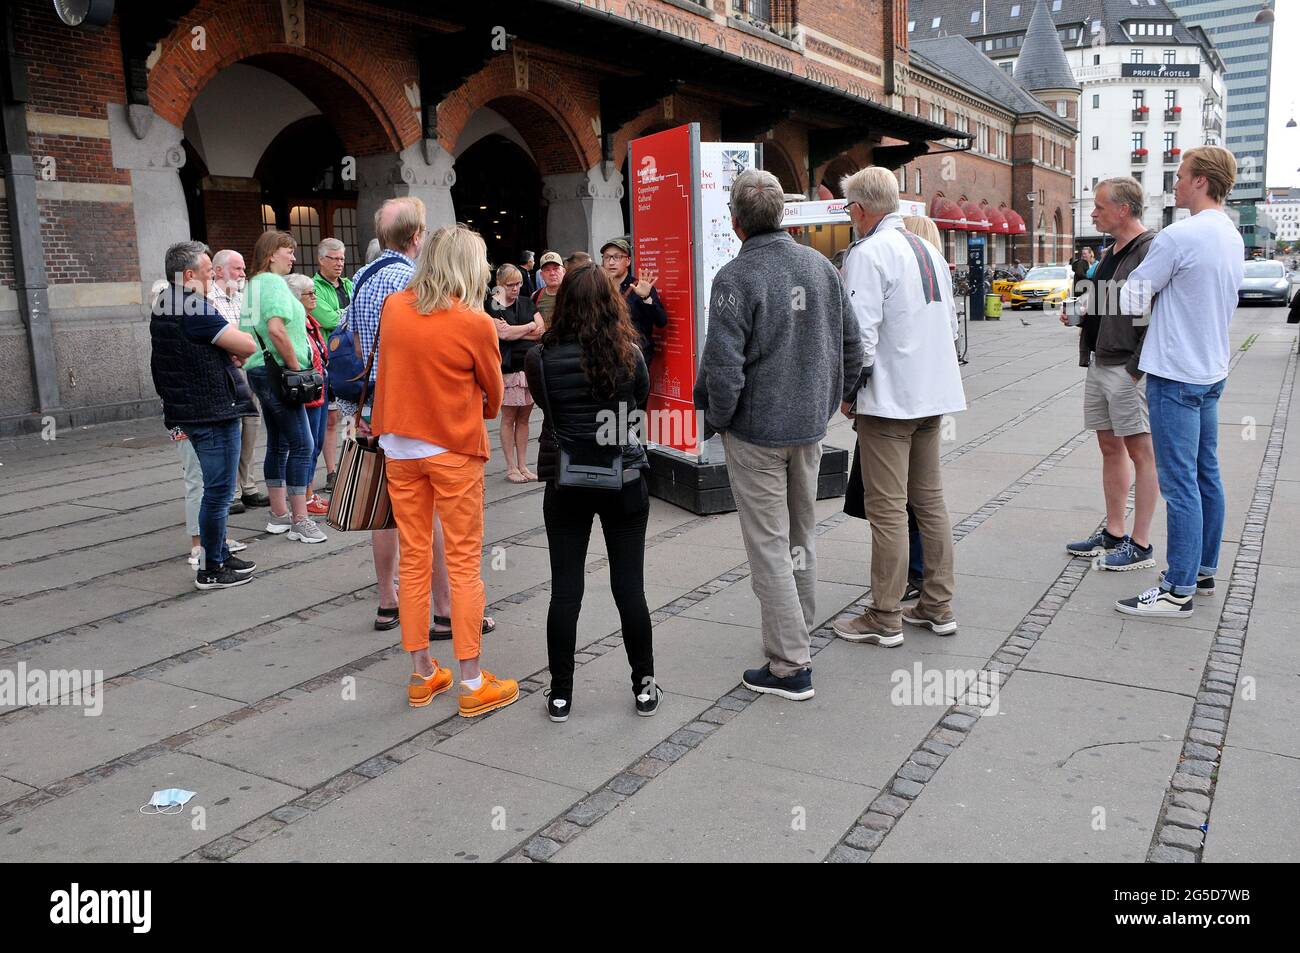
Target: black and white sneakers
x,y
223,578
1157,603
648,696
557,706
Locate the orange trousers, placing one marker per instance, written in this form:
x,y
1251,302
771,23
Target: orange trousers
x,y
450,485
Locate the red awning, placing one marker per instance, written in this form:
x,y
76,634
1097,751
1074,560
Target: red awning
x,y
1016,224
997,221
975,218
947,214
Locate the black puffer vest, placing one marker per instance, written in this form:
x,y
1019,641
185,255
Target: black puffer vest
x,y
197,382
576,411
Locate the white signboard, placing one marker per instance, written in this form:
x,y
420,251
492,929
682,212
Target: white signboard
x,y
832,211
720,163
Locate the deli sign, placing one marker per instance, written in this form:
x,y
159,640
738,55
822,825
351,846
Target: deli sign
x,y
1161,70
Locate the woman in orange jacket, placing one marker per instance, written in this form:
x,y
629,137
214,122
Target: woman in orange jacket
x,y
439,380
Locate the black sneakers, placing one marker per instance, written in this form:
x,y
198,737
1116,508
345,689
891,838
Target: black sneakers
x,y
557,706
223,578
241,567
648,697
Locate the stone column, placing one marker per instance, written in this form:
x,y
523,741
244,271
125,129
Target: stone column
x,y
584,210
150,147
425,173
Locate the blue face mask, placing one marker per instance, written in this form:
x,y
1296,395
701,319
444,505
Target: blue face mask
x,y
161,800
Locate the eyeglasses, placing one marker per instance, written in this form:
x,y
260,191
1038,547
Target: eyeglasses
x,y
513,284
338,258
848,204
617,257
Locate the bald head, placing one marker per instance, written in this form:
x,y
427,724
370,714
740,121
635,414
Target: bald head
x,y
399,225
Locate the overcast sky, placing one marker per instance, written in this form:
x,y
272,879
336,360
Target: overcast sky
x,y
1284,97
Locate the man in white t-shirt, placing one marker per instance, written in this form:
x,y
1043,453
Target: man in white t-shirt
x,y
1192,273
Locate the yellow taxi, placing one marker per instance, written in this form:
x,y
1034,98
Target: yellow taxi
x,y
1045,284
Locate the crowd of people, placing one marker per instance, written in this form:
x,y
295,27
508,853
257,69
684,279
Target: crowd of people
x,y
792,340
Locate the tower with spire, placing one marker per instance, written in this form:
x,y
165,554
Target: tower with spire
x,y
1042,67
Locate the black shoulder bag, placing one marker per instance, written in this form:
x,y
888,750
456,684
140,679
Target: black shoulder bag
x,y
589,467
292,387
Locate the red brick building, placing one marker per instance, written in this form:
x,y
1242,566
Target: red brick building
x,y
182,119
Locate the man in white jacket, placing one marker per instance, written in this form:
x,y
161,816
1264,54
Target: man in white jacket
x,y
902,296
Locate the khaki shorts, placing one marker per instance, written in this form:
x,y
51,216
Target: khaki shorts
x,y
1112,400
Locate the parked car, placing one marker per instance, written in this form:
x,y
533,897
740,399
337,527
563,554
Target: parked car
x,y
1044,285
1265,282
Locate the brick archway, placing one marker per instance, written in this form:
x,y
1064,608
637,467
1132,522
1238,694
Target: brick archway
x,y
363,96
557,127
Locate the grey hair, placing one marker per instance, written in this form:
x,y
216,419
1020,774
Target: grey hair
x,y
183,257
1125,190
875,188
757,201
372,250
299,284
220,258
328,244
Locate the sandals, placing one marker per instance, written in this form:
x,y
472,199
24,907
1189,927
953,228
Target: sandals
x,y
386,619
489,625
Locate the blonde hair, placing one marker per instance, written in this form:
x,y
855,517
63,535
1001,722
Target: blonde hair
x,y
406,222
875,188
505,271
1217,164
452,270
925,228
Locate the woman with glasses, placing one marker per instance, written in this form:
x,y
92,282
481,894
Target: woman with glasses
x,y
518,328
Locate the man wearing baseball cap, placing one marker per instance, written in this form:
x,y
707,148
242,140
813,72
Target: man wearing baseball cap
x,y
550,272
643,302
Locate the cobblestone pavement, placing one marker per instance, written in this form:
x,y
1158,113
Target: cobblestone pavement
x,y
1107,738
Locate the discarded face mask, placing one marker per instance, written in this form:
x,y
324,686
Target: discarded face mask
x,y
161,800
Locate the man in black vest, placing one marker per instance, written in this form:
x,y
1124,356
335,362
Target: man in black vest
x,y
195,361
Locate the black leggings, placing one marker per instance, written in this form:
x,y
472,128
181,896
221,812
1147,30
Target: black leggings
x,y
623,518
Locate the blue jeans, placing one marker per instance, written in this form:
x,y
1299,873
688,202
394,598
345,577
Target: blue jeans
x,y
317,417
1185,433
288,437
217,447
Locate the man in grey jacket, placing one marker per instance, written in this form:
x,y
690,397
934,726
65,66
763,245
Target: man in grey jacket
x,y
783,350
1114,397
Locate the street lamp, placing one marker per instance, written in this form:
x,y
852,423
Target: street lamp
x,y
1032,197
1265,15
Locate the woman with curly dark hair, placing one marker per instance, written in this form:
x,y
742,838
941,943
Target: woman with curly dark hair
x,y
589,377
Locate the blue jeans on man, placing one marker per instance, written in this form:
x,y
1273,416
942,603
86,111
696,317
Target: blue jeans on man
x,y
217,447
1185,433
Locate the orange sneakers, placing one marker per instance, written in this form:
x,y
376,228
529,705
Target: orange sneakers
x,y
494,693
420,690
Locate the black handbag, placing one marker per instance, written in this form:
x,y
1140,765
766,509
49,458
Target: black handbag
x,y
292,387
583,464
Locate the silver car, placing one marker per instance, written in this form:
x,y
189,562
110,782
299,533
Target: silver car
x,y
1266,283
